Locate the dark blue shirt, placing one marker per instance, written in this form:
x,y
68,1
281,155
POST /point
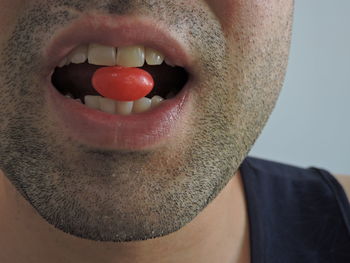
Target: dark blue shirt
x,y
296,215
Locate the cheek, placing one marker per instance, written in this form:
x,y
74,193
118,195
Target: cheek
x,y
223,9
9,12
244,20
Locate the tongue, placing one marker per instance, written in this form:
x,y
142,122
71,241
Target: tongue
x,y
76,79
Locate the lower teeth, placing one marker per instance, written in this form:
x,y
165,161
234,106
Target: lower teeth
x,y
120,107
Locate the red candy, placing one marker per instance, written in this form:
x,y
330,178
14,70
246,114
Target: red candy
x,y
122,84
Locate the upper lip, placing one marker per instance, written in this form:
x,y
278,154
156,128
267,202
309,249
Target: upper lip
x,y
117,31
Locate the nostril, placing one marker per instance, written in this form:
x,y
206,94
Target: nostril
x,y
76,79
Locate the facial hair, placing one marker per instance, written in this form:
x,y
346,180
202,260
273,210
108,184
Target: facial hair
x,y
119,196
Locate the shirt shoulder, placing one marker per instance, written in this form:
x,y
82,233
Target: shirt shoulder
x,y
296,214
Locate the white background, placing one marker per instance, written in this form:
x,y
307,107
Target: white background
x,y
310,125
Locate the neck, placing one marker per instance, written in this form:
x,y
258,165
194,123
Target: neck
x,y
218,234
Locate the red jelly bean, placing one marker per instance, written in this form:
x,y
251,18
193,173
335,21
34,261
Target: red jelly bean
x,y
122,84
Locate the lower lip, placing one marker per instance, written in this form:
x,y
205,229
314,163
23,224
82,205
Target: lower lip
x,y
117,132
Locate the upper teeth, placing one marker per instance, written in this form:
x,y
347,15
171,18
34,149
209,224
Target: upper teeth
x,y
130,56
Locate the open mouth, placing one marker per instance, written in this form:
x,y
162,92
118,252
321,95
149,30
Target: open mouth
x,y
73,75
88,117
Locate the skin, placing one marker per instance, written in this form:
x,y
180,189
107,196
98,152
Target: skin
x,y
57,198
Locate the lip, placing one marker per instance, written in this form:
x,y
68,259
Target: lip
x,y
117,132
117,31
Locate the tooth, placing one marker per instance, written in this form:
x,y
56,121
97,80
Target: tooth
x,y
169,63
132,56
92,102
141,105
79,100
63,62
69,95
156,100
170,95
101,55
153,57
107,105
124,107
79,55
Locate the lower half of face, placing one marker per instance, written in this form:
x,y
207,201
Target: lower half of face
x,y
88,172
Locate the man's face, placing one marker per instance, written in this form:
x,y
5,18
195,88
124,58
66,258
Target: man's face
x,y
99,189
